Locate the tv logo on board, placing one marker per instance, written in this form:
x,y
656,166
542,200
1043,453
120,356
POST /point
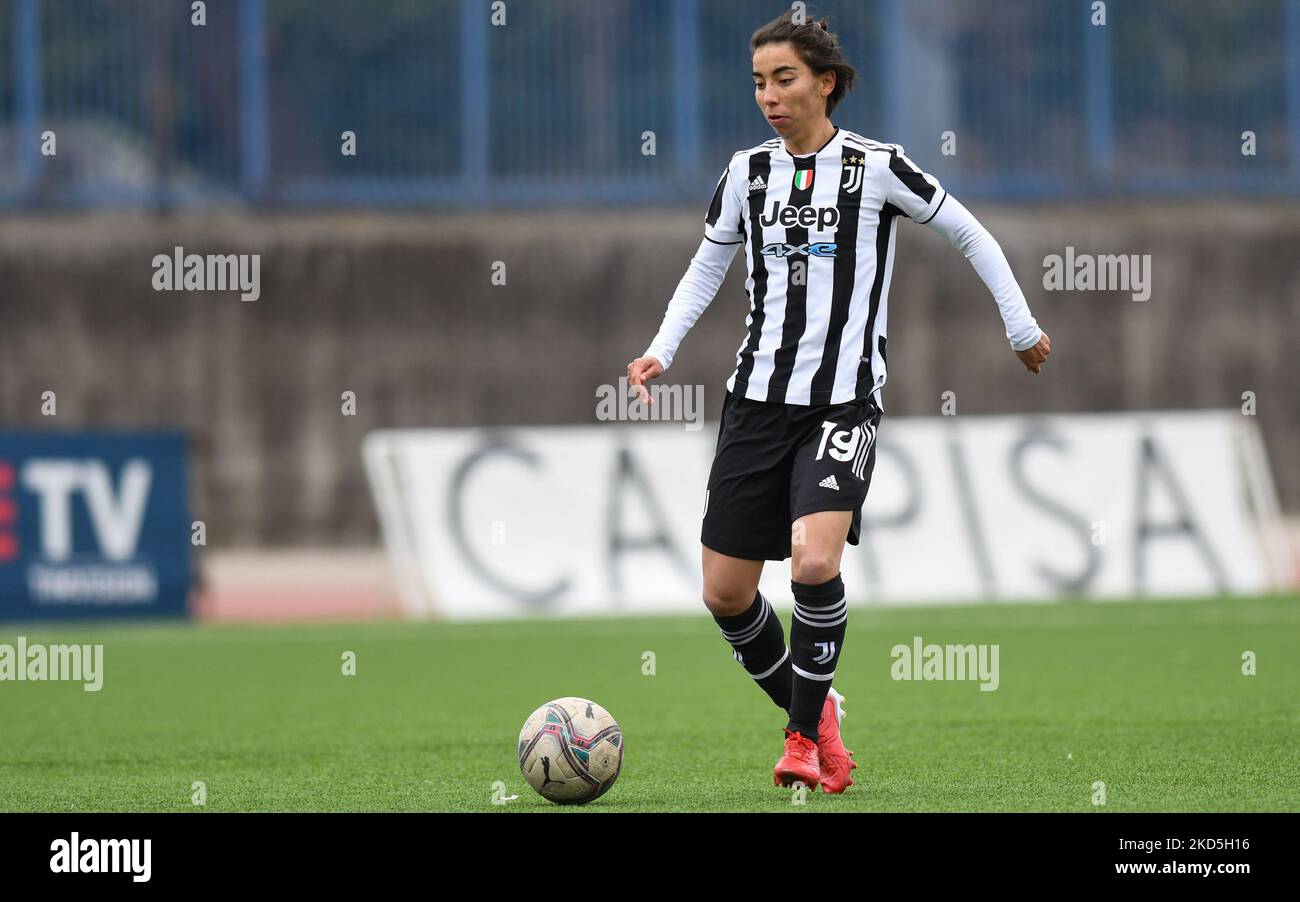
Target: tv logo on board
x,y
113,575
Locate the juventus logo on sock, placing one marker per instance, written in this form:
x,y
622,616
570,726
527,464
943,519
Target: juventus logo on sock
x,y
817,630
816,637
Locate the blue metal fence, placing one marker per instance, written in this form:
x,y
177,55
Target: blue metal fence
x,y
624,101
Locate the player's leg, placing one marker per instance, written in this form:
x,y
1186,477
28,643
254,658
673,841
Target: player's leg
x,y
730,583
829,481
816,635
748,622
828,484
747,521
820,614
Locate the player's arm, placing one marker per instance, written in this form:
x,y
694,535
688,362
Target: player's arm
x,y
956,223
723,236
694,293
922,199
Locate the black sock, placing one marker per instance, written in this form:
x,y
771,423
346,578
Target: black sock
x,y
816,637
758,643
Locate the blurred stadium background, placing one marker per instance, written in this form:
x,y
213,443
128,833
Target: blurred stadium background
x,y
526,144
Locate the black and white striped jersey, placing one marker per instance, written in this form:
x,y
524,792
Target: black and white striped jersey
x,y
818,232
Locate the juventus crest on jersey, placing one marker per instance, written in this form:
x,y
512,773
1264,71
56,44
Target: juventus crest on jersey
x,y
818,233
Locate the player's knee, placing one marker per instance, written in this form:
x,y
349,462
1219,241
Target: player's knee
x,y
727,601
812,568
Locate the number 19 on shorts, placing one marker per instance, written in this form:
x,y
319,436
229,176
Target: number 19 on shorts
x,y
847,444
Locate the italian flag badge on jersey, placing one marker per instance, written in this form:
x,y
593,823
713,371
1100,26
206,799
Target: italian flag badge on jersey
x,y
803,179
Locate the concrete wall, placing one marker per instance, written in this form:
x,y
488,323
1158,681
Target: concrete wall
x,y
401,310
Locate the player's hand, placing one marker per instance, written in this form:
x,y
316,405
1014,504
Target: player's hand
x,y
1033,358
640,371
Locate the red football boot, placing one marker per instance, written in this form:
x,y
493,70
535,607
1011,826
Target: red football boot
x,y
836,761
798,763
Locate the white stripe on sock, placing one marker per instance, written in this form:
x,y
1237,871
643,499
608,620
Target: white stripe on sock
x,y
812,676
771,670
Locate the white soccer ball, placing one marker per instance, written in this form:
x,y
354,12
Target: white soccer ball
x,y
571,750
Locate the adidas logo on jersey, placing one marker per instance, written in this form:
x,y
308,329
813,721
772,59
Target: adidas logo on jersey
x,y
757,184
830,483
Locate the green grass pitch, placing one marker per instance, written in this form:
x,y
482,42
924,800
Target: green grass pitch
x,y
1148,697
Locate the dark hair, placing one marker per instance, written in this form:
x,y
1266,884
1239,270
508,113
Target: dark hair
x,y
817,46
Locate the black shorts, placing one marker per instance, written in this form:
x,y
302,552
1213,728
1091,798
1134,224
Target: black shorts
x,y
778,462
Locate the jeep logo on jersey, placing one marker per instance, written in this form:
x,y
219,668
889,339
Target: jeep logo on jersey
x,y
781,249
781,214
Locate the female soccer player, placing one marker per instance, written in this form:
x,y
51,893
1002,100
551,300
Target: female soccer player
x,y
815,209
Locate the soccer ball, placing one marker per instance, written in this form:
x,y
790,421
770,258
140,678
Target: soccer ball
x,y
570,750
